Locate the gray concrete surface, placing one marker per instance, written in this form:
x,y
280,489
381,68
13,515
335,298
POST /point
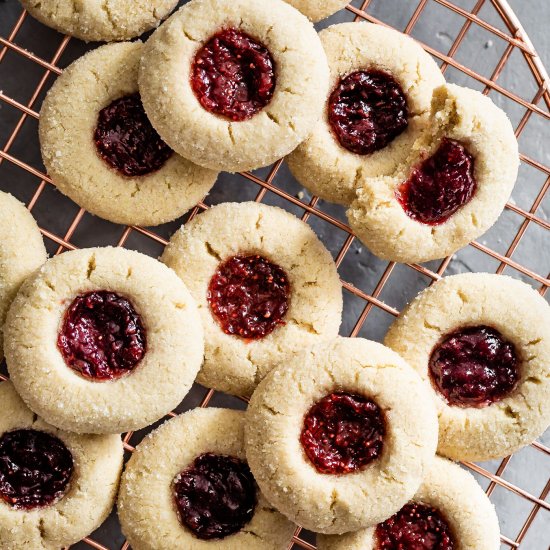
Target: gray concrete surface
x,y
529,469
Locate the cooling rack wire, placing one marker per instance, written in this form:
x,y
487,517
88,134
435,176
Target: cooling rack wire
x,y
507,30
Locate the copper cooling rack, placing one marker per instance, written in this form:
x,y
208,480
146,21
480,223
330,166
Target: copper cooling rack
x,y
506,67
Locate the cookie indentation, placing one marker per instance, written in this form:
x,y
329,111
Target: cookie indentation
x,y
415,526
343,433
233,75
216,496
474,367
249,296
35,468
102,336
126,140
367,110
440,185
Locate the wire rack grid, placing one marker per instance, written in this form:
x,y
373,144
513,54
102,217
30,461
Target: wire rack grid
x,y
66,227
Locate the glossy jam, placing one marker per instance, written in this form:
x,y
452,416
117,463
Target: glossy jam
x,y
342,433
216,496
367,110
415,527
474,367
35,468
102,336
440,185
233,75
249,296
126,141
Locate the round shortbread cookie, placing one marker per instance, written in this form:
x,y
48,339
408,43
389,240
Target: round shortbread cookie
x,y
88,497
328,501
147,504
503,421
473,122
324,165
102,20
454,493
236,364
317,9
21,251
103,340
102,152
297,88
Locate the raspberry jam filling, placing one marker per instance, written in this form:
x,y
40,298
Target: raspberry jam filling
x,y
216,496
474,367
35,468
342,433
367,110
249,296
415,527
439,185
126,141
102,336
233,75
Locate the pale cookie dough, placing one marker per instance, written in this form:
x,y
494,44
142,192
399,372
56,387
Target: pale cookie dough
x,y
21,251
321,163
318,9
472,119
146,504
65,397
328,503
233,364
214,141
103,20
522,316
90,494
68,121
456,495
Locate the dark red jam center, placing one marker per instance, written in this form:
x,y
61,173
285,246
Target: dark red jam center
x,y
342,433
367,110
415,527
102,336
233,75
249,296
216,497
474,367
35,468
126,140
440,185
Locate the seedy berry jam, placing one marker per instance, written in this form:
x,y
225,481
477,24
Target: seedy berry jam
x,y
367,110
216,496
474,367
233,75
342,433
35,468
126,141
415,527
102,336
439,185
249,296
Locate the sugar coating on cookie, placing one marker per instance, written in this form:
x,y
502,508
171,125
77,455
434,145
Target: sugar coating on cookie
x,y
47,509
103,340
451,189
265,286
452,509
317,9
233,85
21,251
363,456
101,151
481,343
102,21
381,84
201,448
